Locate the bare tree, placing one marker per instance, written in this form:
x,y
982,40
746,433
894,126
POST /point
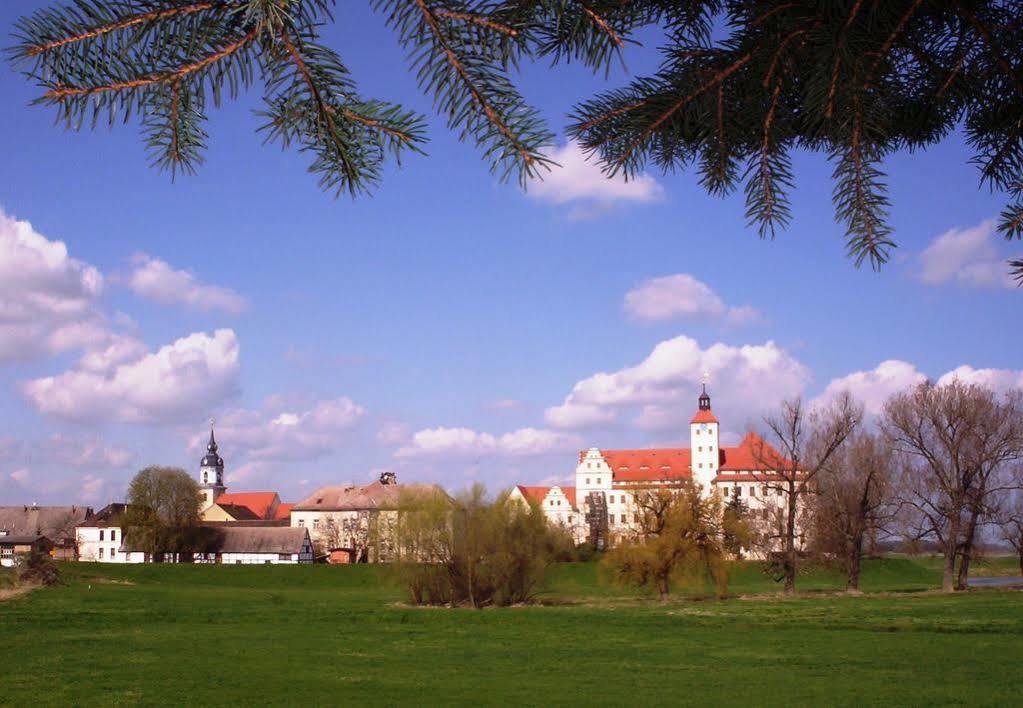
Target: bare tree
x,y
806,441
1010,520
957,441
854,499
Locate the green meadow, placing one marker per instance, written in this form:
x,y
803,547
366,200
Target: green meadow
x,y
320,635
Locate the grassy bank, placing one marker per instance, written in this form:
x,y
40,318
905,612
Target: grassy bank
x,y
327,635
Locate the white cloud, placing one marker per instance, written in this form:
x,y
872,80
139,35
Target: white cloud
x,y
274,434
580,182
20,475
872,388
156,280
681,295
662,389
459,442
968,257
190,375
998,379
91,489
47,299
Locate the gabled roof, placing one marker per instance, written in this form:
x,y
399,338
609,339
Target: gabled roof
x,y
653,463
365,497
238,512
538,494
753,453
260,539
55,522
261,503
283,511
110,515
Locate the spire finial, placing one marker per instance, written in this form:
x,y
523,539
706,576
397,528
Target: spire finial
x,y
212,445
704,379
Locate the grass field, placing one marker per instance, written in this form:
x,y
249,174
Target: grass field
x,y
319,635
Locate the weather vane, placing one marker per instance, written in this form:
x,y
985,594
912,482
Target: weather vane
x,y
704,379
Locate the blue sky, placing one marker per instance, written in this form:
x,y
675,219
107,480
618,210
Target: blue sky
x,y
448,327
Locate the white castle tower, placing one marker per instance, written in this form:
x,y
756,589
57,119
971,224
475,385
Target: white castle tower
x,y
704,450
211,474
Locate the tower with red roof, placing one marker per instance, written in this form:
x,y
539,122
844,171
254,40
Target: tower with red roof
x,y
703,443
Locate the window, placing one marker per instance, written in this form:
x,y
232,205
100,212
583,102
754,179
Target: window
x,y
598,481
101,535
113,553
697,431
738,491
205,477
726,491
752,491
101,553
710,448
700,448
301,522
611,499
701,465
763,513
570,517
284,556
587,480
777,492
623,518
635,518
113,534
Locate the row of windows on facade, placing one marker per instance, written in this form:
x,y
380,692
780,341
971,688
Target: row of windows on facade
x,y
113,551
113,535
764,491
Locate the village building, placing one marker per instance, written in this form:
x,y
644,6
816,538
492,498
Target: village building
x,y
258,545
607,480
100,538
355,523
12,546
56,523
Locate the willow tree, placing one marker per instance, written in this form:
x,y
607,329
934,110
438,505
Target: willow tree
x,y
741,84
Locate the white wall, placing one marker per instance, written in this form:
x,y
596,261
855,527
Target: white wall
x,y
91,548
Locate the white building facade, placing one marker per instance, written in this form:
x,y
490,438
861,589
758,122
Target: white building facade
x,y
606,481
101,540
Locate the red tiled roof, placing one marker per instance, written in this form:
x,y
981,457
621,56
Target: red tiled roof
x,y
535,494
538,494
260,503
570,493
654,463
753,453
704,416
283,511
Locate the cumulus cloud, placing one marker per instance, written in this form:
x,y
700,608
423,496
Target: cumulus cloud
x,y
580,182
968,257
276,434
661,390
998,379
874,387
133,385
47,298
392,433
462,442
85,453
156,280
680,296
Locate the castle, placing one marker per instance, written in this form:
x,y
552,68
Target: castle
x,y
607,480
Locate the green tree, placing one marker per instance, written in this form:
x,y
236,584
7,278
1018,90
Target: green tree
x,y
741,84
473,550
163,512
680,537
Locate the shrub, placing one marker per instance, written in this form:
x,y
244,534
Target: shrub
x,y
38,567
474,551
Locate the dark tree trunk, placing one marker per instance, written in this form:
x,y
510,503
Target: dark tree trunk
x,y
852,572
1021,560
790,543
663,589
963,579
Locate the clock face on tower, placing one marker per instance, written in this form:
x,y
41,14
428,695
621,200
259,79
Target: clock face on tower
x,y
703,426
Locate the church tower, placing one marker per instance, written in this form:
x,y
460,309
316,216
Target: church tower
x,y
211,474
704,450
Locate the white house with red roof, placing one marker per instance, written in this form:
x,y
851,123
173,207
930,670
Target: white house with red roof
x,y
610,478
